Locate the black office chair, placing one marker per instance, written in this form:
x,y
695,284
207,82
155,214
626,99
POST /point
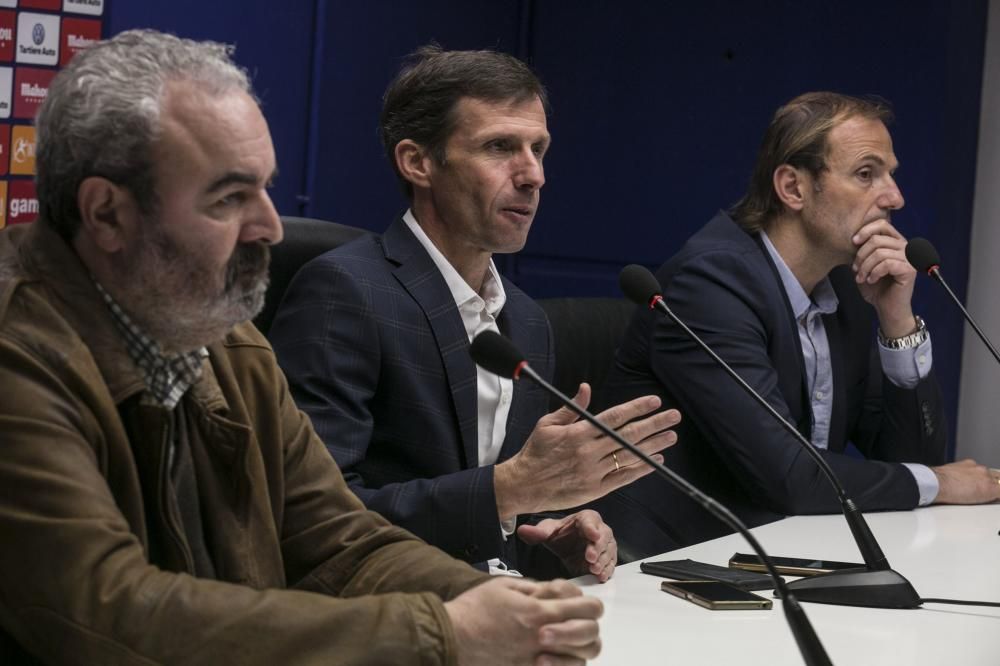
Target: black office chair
x,y
305,239
586,332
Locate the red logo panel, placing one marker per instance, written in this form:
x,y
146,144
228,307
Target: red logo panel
x,y
31,85
4,148
77,34
41,4
8,19
23,206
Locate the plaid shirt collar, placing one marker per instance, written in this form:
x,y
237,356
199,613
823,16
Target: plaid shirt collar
x,y
167,376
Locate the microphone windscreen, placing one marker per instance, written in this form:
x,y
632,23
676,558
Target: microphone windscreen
x,y
495,353
638,284
922,255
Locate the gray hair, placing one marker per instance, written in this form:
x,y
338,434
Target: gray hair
x,y
102,115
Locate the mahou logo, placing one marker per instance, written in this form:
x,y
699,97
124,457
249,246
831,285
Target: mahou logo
x,y
23,202
77,34
31,85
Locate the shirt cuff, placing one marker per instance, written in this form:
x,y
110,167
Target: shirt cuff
x,y
927,482
508,527
906,367
498,567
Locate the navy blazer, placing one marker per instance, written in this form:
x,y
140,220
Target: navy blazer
x,y
377,355
725,286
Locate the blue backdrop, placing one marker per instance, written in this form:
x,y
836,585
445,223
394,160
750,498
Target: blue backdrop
x,y
658,108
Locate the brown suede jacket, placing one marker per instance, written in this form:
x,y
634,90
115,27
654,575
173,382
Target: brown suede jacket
x,y
306,574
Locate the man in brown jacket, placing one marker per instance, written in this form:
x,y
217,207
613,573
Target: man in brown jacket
x,y
162,500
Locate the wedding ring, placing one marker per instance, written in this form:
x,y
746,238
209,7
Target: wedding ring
x,y
614,456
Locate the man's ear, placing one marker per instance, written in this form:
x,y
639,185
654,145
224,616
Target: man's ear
x,y
792,186
108,213
414,163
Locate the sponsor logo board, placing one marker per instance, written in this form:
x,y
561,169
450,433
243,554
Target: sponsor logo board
x,y
92,7
4,149
23,203
37,38
40,4
22,150
77,34
6,97
31,85
7,22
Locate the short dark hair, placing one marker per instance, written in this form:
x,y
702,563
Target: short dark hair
x,y
798,136
419,103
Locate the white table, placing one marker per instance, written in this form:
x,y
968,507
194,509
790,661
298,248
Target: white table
x,y
945,551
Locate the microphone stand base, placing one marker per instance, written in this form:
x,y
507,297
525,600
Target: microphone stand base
x,y
857,587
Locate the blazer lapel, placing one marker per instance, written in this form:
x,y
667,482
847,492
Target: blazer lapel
x,y
838,415
803,415
418,275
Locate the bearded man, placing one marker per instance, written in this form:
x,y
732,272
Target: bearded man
x,y
162,499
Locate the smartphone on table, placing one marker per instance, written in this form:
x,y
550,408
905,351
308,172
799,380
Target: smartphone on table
x,y
714,595
791,566
691,570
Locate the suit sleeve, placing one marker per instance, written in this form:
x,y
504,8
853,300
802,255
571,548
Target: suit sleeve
x,y
899,424
77,587
725,300
328,336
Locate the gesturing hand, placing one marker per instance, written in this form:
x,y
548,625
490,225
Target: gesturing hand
x,y
567,462
583,541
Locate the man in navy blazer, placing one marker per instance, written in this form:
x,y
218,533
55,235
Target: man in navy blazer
x,y
374,337
778,288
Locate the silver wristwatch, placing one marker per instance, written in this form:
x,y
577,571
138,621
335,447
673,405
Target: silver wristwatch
x,y
909,341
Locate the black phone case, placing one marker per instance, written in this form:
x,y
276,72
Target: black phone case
x,y
691,570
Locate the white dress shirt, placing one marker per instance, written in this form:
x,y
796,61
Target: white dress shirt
x,y
479,313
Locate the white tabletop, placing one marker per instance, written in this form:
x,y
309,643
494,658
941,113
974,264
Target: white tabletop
x,y
944,551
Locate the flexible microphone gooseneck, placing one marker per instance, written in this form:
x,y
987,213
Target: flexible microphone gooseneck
x,y
922,256
876,586
498,355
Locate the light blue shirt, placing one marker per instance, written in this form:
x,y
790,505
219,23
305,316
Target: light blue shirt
x,y
903,367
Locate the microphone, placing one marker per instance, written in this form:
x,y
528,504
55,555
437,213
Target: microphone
x,y
922,256
498,355
875,586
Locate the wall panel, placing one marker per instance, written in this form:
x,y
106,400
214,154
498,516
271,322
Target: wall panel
x,y
273,41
